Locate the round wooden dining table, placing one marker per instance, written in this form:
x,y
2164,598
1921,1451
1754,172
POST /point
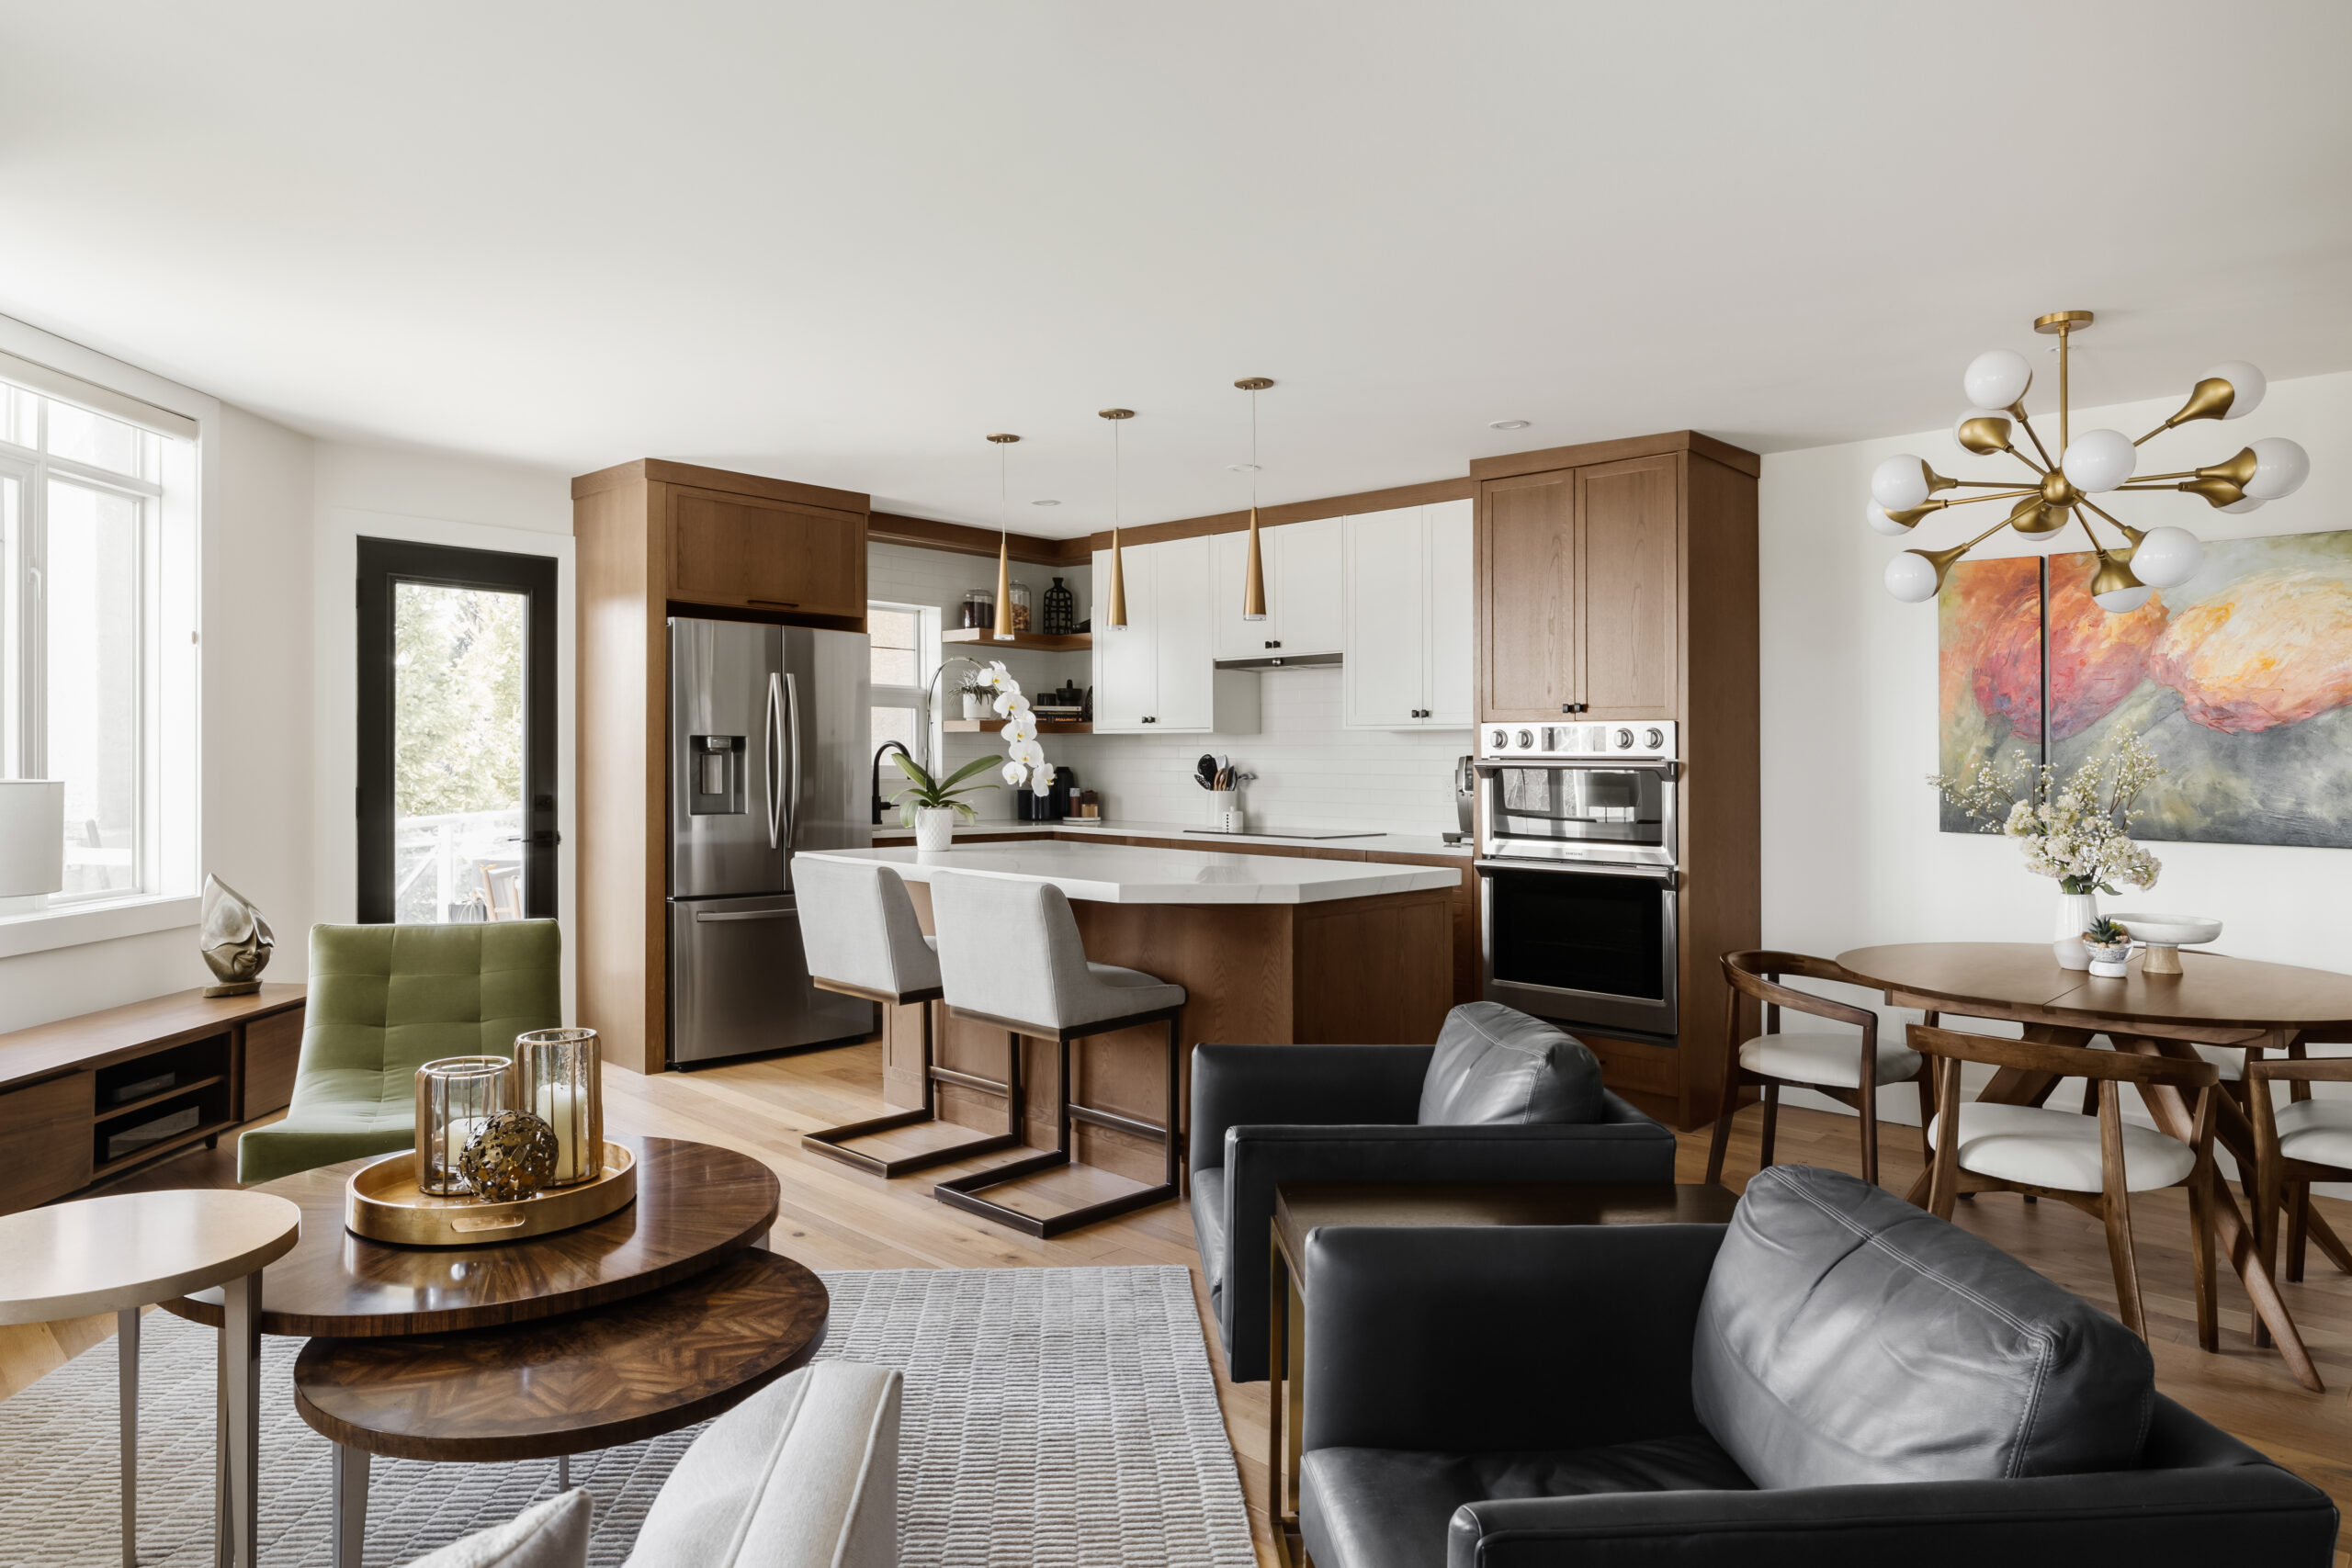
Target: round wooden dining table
x,y
2215,1000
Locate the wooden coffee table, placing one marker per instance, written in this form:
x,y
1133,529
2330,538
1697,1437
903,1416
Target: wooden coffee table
x,y
602,1376
1302,1208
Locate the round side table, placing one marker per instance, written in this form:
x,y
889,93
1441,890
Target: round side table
x,y
119,1253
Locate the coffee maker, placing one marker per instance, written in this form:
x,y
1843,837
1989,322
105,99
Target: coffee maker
x,y
1051,806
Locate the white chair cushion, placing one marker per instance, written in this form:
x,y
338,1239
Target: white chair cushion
x,y
1834,1060
2059,1149
1012,950
858,928
2317,1132
802,1474
2228,1060
553,1534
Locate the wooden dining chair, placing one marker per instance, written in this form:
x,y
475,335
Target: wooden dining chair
x,y
2096,1167
1845,1067
2303,1141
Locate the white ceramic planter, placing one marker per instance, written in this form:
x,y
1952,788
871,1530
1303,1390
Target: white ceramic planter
x,y
2077,913
935,830
976,705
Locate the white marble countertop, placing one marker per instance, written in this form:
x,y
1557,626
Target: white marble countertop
x,y
1381,843
1132,874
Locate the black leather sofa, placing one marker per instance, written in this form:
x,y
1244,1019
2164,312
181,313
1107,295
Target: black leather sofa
x,y
1264,1114
1834,1378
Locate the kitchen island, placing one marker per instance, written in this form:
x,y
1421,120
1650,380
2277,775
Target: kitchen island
x,y
1270,949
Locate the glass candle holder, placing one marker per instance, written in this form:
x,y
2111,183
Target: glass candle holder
x,y
454,1097
559,1078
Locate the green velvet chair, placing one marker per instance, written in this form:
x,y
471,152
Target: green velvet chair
x,y
384,1000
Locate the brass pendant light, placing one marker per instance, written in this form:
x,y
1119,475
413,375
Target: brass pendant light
x,y
1114,611
1002,630
1253,579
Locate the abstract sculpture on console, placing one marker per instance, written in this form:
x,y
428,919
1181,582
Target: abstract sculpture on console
x,y
235,939
511,1156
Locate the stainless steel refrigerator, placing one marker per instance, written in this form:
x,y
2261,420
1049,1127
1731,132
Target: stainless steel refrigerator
x,y
767,734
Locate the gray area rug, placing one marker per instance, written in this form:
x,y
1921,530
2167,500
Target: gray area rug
x,y
1052,1417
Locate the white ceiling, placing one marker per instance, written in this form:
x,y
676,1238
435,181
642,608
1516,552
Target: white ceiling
x,y
839,242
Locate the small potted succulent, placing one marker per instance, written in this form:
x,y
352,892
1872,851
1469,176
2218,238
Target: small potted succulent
x,y
2107,945
930,805
974,694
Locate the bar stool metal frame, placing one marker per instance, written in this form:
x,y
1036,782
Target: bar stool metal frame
x,y
828,1141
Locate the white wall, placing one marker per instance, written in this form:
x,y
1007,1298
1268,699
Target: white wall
x,y
1852,854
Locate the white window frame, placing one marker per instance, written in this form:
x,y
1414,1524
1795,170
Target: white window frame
x,y
917,699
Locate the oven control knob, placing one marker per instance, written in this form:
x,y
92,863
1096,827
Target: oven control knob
x,y
1653,739
1624,739
1526,740
1499,738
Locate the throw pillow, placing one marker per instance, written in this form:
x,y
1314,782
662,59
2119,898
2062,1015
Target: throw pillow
x,y
1496,1067
553,1534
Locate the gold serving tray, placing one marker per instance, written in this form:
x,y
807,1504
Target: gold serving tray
x,y
381,1202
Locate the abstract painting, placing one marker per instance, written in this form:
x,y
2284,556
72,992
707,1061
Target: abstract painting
x,y
1989,668
2239,681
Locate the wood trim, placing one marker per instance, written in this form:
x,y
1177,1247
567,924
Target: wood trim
x,y
1591,452
957,539
1425,494
660,470
135,1029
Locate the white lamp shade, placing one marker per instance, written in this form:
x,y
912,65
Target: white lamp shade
x,y
32,837
2166,558
1899,483
1999,416
1911,576
2099,460
2242,507
1876,516
2123,601
1997,378
2280,467
2247,386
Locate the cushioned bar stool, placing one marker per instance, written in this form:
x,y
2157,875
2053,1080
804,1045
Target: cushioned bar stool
x,y
1847,1068
1009,954
2094,1165
863,940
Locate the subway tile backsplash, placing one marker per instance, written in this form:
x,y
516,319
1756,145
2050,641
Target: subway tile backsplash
x,y
1312,772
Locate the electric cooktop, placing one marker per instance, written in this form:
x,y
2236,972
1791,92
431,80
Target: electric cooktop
x,y
1290,832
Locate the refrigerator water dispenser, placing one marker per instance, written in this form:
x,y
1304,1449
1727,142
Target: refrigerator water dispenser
x,y
714,763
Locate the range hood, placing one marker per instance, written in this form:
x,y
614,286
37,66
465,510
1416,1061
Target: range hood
x,y
1278,662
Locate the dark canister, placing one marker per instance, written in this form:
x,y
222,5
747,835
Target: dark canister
x,y
1059,610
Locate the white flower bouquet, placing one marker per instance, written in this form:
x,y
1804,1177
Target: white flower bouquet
x,y
2079,832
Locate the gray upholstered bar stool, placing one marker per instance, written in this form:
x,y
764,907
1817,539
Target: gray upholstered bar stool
x,y
1009,954
859,928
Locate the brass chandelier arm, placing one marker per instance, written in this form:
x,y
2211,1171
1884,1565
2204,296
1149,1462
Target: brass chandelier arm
x,y
1986,484
2033,436
2153,433
1993,495
2133,535
2150,479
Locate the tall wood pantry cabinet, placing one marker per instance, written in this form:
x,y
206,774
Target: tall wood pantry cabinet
x,y
1618,581
656,540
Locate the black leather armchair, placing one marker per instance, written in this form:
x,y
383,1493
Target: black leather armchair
x,y
1264,1114
1524,1398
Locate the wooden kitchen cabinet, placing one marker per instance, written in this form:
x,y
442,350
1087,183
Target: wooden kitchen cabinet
x,y
1408,611
752,553
1159,676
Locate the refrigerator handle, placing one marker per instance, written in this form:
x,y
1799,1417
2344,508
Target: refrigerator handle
x,y
792,789
770,759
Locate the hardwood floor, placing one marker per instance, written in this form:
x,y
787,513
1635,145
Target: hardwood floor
x,y
834,1217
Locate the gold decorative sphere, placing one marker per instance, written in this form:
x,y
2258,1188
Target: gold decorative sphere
x,y
511,1155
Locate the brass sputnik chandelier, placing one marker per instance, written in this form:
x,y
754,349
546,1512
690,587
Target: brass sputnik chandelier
x,y
2096,463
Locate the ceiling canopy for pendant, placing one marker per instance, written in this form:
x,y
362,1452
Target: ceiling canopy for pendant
x,y
2097,462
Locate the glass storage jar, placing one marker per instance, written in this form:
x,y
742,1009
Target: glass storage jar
x,y
1019,594
979,609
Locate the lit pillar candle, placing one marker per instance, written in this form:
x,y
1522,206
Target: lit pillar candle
x,y
564,1108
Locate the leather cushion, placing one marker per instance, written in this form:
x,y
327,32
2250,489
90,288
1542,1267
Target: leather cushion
x,y
1825,1058
1496,1067
1384,1508
1208,1224
1846,1337
2317,1131
2043,1148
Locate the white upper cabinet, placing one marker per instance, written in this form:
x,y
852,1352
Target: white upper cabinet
x,y
1304,596
1407,576
1159,676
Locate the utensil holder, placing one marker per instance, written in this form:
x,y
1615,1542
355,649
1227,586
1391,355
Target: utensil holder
x,y
1225,810
559,1078
455,1096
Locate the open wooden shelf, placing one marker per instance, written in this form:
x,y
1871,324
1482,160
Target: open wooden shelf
x,y
196,1135
990,725
1069,642
115,1113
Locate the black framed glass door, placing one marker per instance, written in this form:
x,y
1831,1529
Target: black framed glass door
x,y
456,717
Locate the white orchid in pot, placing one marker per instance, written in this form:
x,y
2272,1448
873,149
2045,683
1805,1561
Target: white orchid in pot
x,y
2079,832
932,806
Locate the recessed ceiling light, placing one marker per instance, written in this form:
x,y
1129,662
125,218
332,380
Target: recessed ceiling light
x,y
1508,425
1047,502
1242,468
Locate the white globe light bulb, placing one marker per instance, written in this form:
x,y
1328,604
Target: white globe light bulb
x,y
2247,386
1876,516
2166,558
2280,467
1911,576
2099,460
2000,418
1997,378
2242,507
2123,601
1900,483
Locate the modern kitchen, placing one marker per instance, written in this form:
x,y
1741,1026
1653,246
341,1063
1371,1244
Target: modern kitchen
x,y
1332,766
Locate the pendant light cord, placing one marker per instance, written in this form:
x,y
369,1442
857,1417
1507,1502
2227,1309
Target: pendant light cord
x,y
1253,449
